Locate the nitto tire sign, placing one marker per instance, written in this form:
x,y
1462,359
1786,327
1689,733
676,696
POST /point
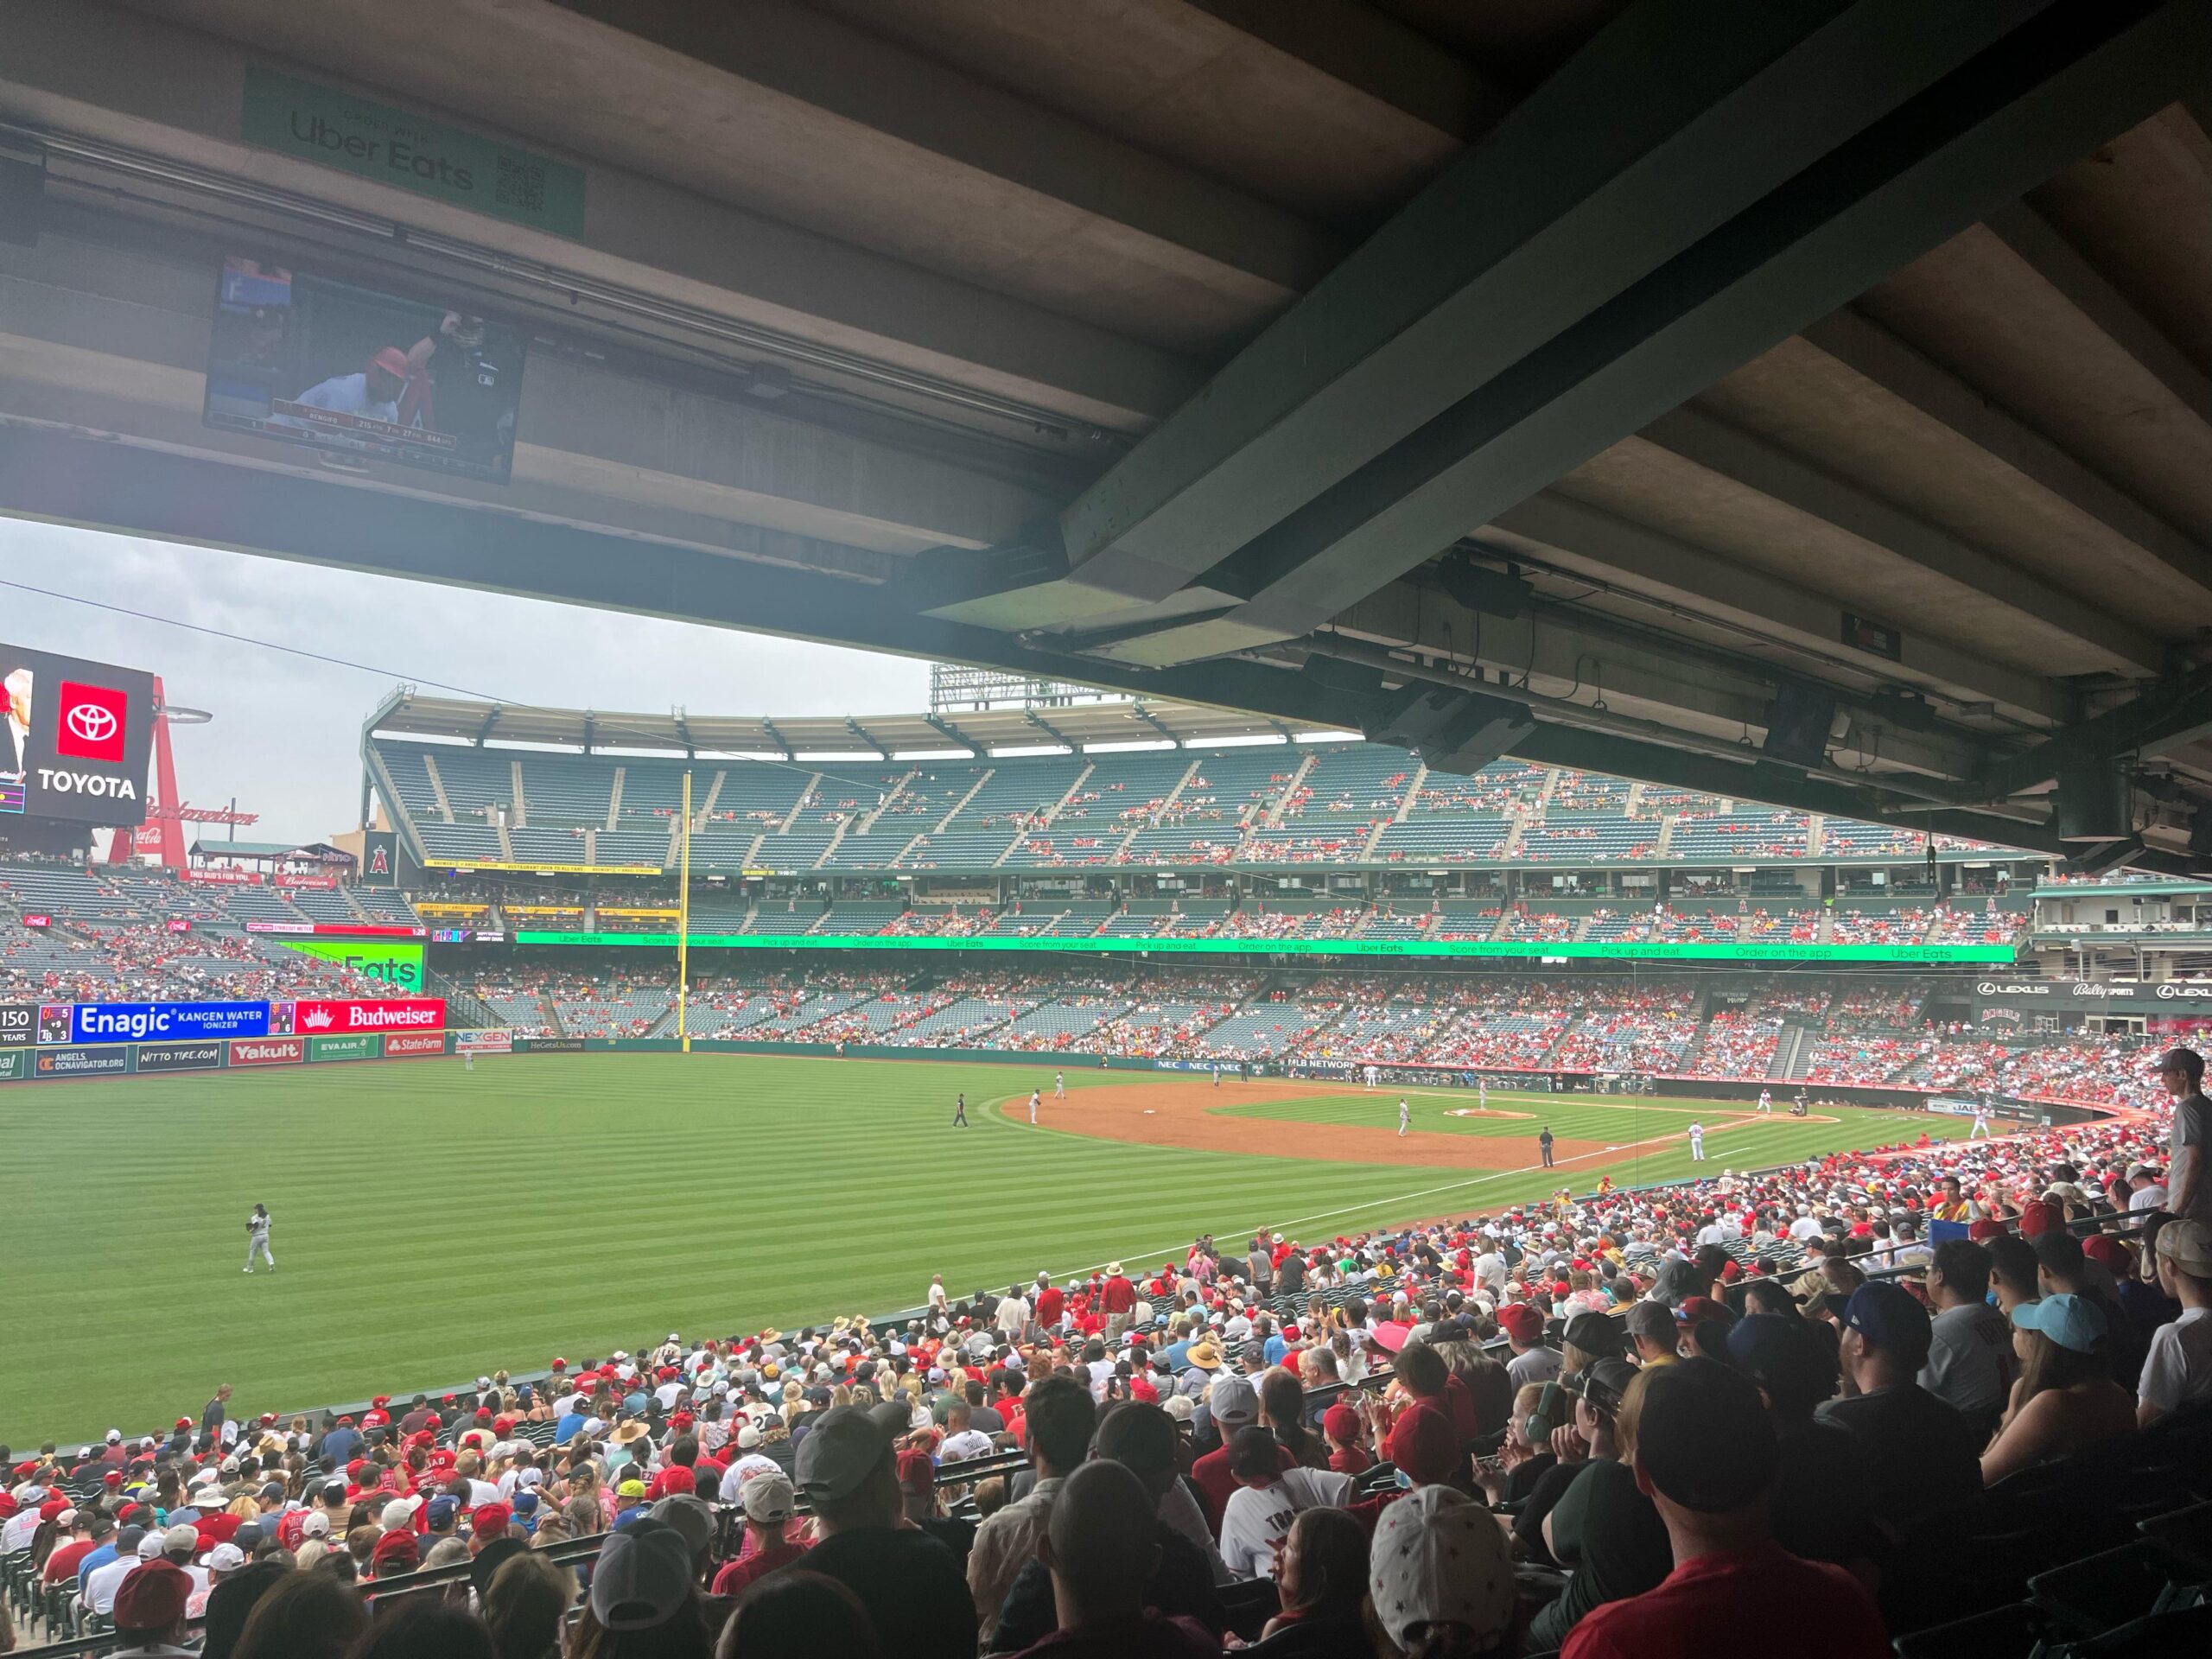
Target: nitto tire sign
x,y
82,1062
179,1056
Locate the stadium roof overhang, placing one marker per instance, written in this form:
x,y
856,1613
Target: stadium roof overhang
x,y
408,713
1810,404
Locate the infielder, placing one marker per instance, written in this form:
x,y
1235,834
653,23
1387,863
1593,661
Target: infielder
x,y
1482,1094
1766,1102
1059,1085
1405,1114
1034,1097
1697,1143
256,1238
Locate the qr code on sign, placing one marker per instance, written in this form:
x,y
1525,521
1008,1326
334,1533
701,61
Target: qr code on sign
x,y
520,184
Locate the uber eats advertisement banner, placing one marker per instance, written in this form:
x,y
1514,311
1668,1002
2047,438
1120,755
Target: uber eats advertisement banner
x,y
1447,949
399,966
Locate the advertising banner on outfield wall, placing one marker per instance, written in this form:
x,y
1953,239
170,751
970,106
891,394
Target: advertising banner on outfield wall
x,y
363,1047
179,1057
268,1051
82,1062
414,1044
399,966
484,1042
1615,951
138,1022
18,1024
336,1018
15,1064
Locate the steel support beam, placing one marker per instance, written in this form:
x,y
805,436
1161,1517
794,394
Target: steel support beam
x,y
2168,716
2073,77
1709,106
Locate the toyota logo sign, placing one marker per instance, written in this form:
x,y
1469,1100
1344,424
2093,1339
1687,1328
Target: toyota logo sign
x,y
92,723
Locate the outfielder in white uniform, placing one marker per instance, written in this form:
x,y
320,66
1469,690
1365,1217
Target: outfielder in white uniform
x,y
1405,1114
1059,1085
1372,1073
1697,1143
256,1238
1034,1097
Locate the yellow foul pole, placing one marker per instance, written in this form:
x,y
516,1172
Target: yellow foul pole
x,y
684,919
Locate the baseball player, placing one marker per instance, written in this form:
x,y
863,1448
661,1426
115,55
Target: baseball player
x,y
1697,1143
959,1113
256,1238
1035,1098
1980,1130
1059,1085
1482,1094
1766,1102
1405,1114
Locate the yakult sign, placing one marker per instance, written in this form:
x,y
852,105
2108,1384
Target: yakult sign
x,y
337,1018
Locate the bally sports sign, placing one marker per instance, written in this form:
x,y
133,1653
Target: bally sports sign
x,y
335,1017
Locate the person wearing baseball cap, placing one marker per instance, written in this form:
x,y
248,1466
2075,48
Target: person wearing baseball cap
x,y
1706,1458
1532,1361
907,1580
642,1581
2177,1370
373,393
1231,1404
148,1609
1438,1571
1101,1549
768,1502
1920,1453
2066,1398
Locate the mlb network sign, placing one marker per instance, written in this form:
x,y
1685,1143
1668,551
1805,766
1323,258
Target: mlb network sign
x,y
141,1022
326,1019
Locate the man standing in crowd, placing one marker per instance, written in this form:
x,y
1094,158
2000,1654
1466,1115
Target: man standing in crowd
x,y
2189,1195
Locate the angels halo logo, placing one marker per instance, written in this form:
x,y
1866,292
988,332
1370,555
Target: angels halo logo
x,y
317,1019
90,723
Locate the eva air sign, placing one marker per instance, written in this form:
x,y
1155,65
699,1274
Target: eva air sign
x,y
366,1046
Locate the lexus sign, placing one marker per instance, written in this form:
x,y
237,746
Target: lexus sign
x,y
74,737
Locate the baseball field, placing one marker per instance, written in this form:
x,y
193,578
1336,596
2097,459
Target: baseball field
x,y
430,1223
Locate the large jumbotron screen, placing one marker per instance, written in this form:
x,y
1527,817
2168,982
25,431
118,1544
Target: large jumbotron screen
x,y
75,736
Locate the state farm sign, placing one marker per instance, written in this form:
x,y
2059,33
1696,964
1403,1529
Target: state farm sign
x,y
330,1017
267,1050
414,1044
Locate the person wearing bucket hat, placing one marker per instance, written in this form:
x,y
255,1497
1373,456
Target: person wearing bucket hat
x,y
1438,1571
1706,1457
2066,1398
2177,1370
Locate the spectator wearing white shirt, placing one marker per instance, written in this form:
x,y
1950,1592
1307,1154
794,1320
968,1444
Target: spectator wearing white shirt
x,y
963,1440
132,1554
1013,1316
1268,1498
2148,1189
2177,1371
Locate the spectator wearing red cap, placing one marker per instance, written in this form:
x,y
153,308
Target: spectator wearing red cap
x,y
1341,1429
1532,1361
149,1610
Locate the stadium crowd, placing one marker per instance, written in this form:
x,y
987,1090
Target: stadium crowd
x,y
1620,1423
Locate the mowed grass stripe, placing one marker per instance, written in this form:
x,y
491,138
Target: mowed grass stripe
x,y
432,1222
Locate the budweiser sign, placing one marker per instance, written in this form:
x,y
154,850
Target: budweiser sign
x,y
321,1018
267,1050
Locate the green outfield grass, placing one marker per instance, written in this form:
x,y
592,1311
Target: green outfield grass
x,y
432,1222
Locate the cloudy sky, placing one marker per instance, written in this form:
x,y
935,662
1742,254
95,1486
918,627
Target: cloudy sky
x,y
286,734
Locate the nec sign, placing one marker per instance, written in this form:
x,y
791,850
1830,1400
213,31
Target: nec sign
x,y
139,1022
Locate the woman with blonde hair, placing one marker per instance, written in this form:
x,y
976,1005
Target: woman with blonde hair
x,y
2065,1398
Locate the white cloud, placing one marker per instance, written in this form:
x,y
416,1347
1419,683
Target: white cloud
x,y
286,736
